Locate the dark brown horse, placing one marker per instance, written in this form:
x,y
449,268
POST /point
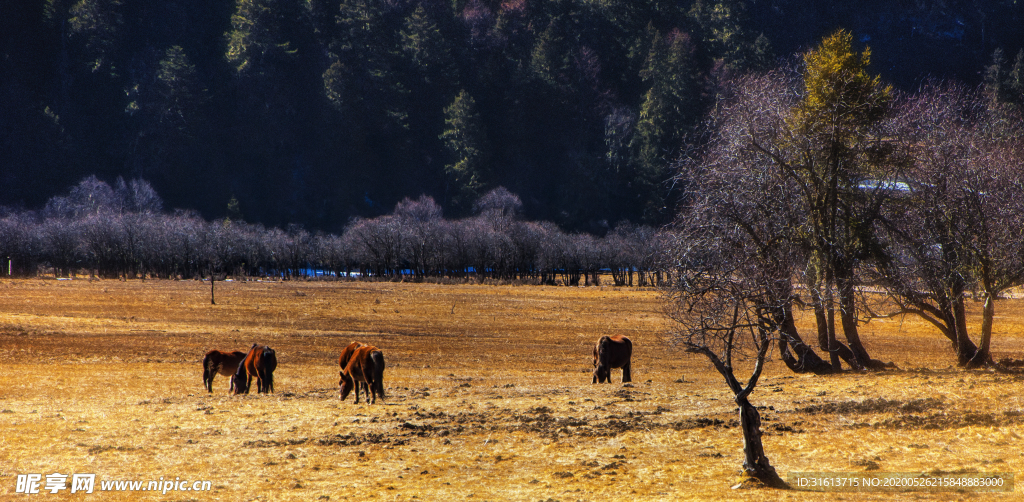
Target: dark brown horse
x,y
225,363
612,352
346,356
366,365
260,362
240,380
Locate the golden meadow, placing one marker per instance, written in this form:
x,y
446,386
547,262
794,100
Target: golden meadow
x,y
489,397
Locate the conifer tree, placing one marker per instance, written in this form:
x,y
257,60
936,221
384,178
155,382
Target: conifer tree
x,y
670,107
425,45
466,142
836,149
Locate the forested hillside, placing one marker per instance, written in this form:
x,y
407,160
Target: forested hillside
x,y
315,111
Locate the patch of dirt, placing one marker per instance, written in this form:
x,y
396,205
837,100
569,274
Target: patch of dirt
x,y
537,420
273,443
946,421
879,405
94,450
359,439
782,428
702,422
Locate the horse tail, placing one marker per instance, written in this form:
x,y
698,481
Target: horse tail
x,y
269,365
378,371
271,359
208,372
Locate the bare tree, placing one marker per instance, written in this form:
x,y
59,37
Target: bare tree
x,y
499,203
462,248
380,240
19,245
729,301
420,227
297,251
90,196
734,183
329,253
547,261
958,226
616,256
137,196
184,243
60,241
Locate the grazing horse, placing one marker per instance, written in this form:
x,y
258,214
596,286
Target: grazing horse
x,y
225,363
240,380
260,362
612,352
366,365
346,356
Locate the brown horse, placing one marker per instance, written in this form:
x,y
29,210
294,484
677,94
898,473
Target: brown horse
x,y
260,362
225,363
612,352
346,356
366,365
240,380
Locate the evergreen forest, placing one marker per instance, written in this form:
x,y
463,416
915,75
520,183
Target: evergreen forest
x,y
315,112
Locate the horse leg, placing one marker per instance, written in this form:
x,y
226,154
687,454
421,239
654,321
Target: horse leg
x,y
626,376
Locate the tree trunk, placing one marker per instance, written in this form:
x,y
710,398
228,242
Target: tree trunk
x,y
965,348
982,357
212,302
755,463
822,323
848,315
806,360
830,326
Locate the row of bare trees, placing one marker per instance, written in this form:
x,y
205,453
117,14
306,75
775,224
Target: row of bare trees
x,y
122,233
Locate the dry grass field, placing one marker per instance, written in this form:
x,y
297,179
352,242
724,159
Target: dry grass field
x,y
489,397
